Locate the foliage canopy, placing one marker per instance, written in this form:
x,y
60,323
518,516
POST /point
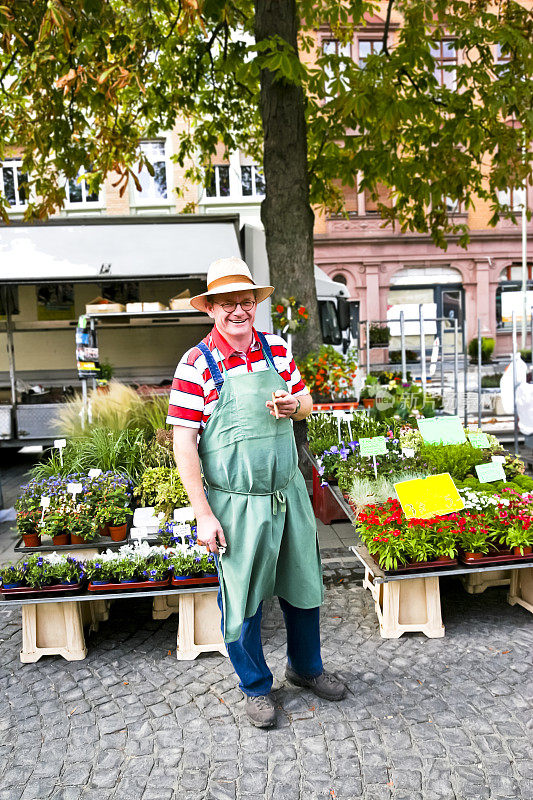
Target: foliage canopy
x,y
83,81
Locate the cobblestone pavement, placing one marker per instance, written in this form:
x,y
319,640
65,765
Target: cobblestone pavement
x,y
423,719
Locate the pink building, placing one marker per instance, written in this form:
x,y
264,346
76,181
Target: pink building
x,y
383,268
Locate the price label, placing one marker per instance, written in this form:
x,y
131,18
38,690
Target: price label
x,y
139,533
94,473
181,530
442,430
74,488
480,440
60,443
493,471
409,452
184,514
45,503
375,446
498,459
429,497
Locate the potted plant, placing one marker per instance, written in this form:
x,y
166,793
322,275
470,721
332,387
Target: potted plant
x,y
519,537
55,524
157,567
84,525
379,335
38,572
67,570
473,539
12,575
28,526
161,487
118,527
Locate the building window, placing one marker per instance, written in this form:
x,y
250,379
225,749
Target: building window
x,y
55,301
153,187
502,57
13,183
219,185
340,278
332,47
514,197
368,47
79,192
445,56
123,292
252,181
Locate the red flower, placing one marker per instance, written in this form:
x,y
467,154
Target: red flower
x,y
280,309
301,311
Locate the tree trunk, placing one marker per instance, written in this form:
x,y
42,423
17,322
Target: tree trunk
x,y
286,212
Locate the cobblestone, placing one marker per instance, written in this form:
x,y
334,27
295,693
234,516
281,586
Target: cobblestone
x,y
423,719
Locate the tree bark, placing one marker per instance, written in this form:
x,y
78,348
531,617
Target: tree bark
x,y
286,212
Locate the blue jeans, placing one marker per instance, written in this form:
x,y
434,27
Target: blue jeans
x,y
303,647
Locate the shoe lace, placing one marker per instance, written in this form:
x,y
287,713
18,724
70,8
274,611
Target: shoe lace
x,y
327,677
261,702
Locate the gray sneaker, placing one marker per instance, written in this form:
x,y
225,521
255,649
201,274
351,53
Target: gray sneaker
x,y
261,711
325,685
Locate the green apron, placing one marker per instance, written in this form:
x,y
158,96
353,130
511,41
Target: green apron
x,y
258,494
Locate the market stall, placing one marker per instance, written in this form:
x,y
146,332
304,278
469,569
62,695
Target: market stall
x,y
427,499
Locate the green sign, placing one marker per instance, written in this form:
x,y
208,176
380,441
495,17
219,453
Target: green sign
x,y
479,440
490,472
442,430
376,446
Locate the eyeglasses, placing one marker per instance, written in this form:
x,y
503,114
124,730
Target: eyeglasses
x,y
246,305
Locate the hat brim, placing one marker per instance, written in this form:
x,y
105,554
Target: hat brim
x,y
199,302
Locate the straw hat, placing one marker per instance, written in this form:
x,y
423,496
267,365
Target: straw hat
x,y
229,275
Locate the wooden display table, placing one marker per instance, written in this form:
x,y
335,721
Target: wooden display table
x,y
54,625
410,601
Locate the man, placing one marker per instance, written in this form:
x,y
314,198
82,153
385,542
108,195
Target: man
x,y
231,403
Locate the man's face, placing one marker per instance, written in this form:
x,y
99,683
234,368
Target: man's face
x,y
236,322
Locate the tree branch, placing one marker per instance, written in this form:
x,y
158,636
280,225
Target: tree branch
x,y
386,29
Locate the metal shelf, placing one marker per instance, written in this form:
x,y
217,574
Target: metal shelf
x,y
85,596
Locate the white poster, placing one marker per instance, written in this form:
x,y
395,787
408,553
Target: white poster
x,y
411,317
512,301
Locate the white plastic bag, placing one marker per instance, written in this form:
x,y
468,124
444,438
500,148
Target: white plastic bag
x,y
506,383
524,408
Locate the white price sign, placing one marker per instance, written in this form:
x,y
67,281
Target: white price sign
x,y
181,530
94,473
74,489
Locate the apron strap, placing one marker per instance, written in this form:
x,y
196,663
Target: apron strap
x,y
267,352
212,366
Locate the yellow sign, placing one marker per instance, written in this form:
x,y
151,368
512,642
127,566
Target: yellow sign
x,y
429,497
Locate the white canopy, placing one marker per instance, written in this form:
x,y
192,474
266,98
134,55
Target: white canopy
x,y
123,248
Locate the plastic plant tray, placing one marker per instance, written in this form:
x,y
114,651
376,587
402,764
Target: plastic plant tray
x,y
493,559
127,587
421,566
101,542
59,588
210,580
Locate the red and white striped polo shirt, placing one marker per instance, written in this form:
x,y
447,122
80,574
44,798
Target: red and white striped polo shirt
x,y
193,395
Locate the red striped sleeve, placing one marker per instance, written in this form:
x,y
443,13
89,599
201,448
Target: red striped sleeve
x,y
187,386
179,412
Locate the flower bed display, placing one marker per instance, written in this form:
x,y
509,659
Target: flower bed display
x,y
137,566
481,532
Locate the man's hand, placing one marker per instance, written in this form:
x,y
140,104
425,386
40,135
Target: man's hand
x,y
285,403
209,532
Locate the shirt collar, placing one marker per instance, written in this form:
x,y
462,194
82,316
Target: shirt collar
x,y
225,348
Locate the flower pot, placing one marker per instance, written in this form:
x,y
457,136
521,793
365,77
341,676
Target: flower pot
x,y
118,532
69,583
61,538
75,539
444,558
368,402
129,580
473,556
524,551
31,539
15,585
99,583
104,531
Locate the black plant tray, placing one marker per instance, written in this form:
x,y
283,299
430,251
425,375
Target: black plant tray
x,y
127,587
59,588
492,559
209,580
102,542
422,566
